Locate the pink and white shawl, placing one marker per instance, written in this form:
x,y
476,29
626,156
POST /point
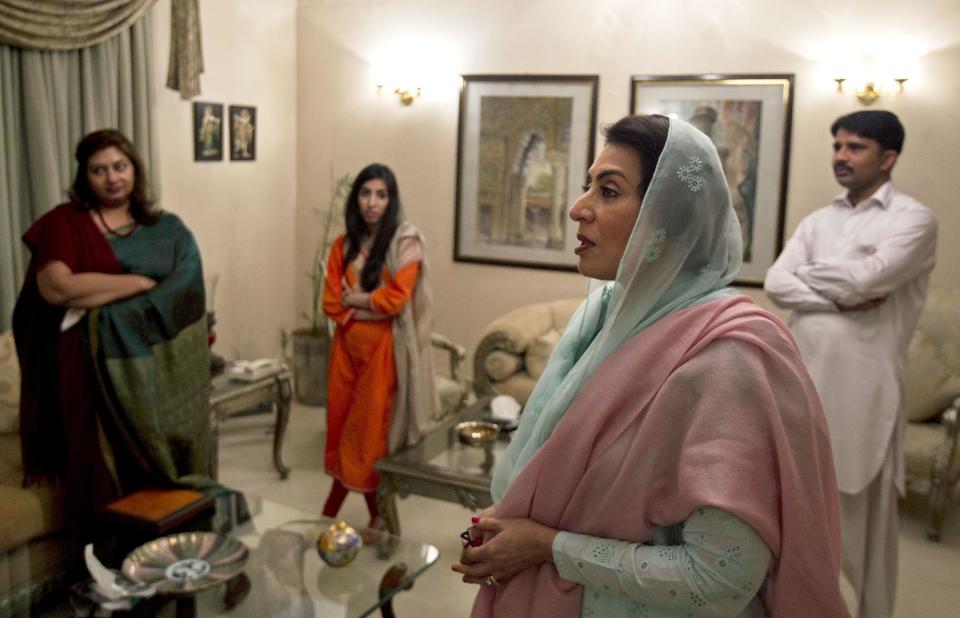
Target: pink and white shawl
x,y
711,405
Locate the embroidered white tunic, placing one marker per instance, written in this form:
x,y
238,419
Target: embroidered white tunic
x,y
842,255
711,564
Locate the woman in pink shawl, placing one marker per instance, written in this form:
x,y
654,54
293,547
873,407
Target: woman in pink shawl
x,y
674,459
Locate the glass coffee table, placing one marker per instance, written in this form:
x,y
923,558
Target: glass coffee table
x,y
284,575
440,467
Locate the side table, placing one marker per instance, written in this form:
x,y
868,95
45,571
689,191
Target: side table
x,y
231,399
439,467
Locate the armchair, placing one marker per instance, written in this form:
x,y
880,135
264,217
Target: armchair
x,y
451,388
932,405
513,349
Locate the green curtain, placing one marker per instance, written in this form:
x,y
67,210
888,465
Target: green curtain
x,y
48,101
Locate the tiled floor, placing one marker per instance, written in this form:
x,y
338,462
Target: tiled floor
x,y
929,586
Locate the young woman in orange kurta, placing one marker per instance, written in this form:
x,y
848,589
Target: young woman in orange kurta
x,y
362,297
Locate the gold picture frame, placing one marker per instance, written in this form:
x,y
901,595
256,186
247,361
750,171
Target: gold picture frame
x,y
525,143
749,119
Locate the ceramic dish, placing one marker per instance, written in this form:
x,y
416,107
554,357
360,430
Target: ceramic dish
x,y
187,562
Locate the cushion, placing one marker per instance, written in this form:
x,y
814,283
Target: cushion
x,y
9,385
27,514
500,365
539,352
11,466
451,394
933,368
522,325
519,386
563,310
931,386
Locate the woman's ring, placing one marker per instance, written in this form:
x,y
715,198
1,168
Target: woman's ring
x,y
490,580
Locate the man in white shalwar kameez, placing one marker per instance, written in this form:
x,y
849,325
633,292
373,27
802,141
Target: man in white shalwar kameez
x,y
855,275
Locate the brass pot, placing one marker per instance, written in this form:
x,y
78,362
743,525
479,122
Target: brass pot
x,y
477,433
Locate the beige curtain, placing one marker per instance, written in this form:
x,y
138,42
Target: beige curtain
x,y
76,24
66,24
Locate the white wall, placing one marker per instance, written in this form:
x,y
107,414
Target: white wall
x,y
242,213
346,125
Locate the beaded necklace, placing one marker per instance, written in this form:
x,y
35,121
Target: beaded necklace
x,y
115,233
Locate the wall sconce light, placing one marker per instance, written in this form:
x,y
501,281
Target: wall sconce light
x,y
407,95
871,90
414,68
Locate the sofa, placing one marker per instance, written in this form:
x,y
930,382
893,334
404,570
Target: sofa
x,y
34,542
451,387
932,403
513,349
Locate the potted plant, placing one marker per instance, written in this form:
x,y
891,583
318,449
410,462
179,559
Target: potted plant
x,y
311,344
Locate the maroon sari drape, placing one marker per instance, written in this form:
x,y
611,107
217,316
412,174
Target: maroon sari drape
x,y
57,394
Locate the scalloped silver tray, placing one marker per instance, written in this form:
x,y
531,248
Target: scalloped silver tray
x,y
187,562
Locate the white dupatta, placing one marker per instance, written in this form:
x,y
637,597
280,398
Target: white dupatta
x,y
417,403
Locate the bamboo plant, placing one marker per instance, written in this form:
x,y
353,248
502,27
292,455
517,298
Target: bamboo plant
x,y
331,219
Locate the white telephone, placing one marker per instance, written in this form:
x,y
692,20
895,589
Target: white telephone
x,y
250,371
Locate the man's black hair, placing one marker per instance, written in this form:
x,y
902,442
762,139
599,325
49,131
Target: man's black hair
x,y
881,126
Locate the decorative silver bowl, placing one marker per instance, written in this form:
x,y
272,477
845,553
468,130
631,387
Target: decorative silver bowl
x,y
477,433
187,562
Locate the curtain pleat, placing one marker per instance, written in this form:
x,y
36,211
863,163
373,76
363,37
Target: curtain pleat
x,y
66,24
186,48
50,99
14,188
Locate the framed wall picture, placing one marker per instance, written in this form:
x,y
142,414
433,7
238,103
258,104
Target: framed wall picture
x,y
207,131
525,143
749,119
243,133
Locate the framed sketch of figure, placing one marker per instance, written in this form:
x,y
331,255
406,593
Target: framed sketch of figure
x,y
243,133
207,131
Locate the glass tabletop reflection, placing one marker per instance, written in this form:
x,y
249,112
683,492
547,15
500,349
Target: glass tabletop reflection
x,y
285,575
441,452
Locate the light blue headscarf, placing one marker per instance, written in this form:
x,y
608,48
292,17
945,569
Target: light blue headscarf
x,y
685,248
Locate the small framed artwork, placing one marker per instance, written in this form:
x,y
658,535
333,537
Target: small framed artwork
x,y
207,131
749,119
243,133
525,143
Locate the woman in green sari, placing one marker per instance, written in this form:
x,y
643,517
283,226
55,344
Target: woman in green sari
x,y
111,335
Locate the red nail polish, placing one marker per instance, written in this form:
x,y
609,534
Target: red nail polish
x,y
475,519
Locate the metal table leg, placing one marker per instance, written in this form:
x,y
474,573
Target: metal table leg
x,y
387,504
283,417
392,581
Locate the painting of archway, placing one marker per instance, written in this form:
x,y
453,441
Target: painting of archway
x,y
524,148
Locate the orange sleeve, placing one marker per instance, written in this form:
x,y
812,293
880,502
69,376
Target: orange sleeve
x,y
333,286
391,297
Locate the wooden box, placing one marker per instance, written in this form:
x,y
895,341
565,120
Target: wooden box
x,y
160,510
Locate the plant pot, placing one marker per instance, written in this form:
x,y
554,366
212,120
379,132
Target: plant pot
x,y
309,359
